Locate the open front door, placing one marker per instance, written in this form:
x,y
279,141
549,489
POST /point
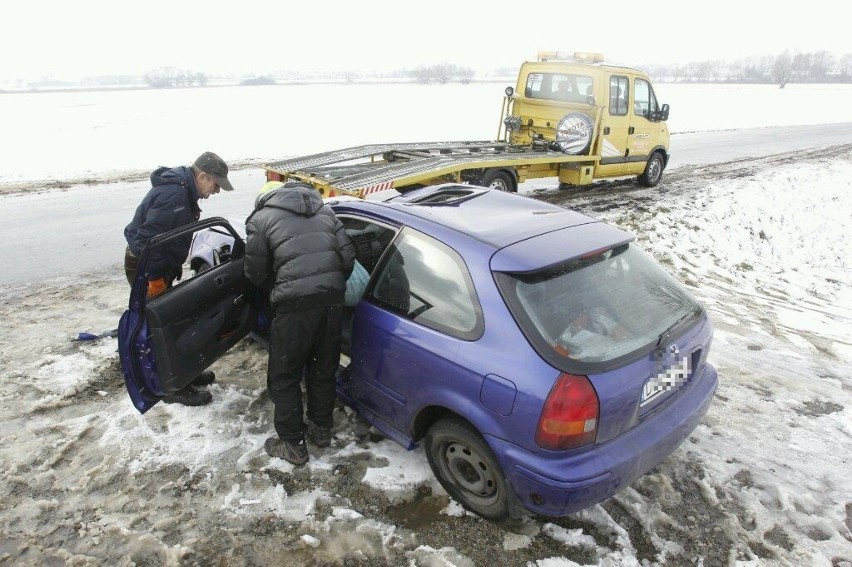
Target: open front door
x,y
166,341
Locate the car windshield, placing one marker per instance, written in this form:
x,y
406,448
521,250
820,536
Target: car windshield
x,y
598,308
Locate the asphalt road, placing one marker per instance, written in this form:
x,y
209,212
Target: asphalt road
x,y
65,232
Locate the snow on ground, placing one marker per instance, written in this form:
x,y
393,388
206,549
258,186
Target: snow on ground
x,y
765,480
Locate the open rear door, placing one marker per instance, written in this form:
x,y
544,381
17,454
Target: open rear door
x,y
166,341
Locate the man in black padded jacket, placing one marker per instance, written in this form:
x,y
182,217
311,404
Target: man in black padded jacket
x,y
296,245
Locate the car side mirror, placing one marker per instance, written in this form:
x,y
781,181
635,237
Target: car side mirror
x,y
662,114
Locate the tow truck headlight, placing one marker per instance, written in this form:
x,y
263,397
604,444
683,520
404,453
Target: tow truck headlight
x,y
574,133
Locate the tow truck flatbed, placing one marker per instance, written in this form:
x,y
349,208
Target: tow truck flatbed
x,y
362,170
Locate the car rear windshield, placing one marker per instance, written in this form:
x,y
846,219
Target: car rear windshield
x,y
559,86
599,308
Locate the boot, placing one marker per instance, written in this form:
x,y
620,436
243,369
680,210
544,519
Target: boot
x,y
319,436
295,452
189,396
206,378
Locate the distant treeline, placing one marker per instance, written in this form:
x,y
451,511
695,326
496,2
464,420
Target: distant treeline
x,y
813,67
442,74
437,74
172,77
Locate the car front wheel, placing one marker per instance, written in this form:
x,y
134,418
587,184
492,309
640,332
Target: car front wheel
x,y
466,468
653,171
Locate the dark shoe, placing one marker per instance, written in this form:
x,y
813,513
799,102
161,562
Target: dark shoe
x,y
204,379
189,396
291,451
319,436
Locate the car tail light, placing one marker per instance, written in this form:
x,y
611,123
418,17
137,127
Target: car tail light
x,y
570,415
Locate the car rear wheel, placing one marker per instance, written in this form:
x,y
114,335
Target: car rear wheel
x,y
500,180
466,468
653,171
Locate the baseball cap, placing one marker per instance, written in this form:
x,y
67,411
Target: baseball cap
x,y
213,165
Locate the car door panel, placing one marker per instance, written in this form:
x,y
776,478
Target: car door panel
x,y
166,341
195,323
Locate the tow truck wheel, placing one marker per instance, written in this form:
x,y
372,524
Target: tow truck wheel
x,y
500,180
653,171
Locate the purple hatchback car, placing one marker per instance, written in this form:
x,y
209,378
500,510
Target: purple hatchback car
x,y
542,360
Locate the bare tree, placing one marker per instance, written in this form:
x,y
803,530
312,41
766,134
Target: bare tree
x,y
167,77
845,66
717,69
782,69
465,75
442,73
821,64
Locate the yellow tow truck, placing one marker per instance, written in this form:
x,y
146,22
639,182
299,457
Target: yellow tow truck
x,y
569,116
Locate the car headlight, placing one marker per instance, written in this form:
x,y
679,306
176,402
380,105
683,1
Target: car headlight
x,y
574,133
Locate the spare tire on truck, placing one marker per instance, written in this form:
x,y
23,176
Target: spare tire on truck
x,y
574,133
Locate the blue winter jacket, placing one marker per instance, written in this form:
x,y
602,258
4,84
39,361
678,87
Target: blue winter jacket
x,y
171,203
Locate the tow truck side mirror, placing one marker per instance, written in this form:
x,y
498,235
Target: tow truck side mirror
x,y
662,114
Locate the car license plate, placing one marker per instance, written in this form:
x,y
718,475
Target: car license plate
x,y
672,373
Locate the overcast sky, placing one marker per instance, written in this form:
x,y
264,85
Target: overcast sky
x,y
68,40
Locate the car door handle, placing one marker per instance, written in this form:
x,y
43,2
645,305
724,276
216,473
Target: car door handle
x,y
631,130
606,130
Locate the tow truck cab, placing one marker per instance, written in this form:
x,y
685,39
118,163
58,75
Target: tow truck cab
x,y
575,103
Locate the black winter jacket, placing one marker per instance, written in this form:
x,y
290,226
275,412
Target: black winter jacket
x,y
171,203
293,237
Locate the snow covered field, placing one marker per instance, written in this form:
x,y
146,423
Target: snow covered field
x,y
106,134
765,480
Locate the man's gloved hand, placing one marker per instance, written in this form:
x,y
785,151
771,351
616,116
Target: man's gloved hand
x,y
156,287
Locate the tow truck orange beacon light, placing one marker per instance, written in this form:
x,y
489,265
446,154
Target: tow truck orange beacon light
x,y
584,56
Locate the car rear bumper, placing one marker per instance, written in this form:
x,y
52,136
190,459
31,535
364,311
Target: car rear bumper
x,y
555,485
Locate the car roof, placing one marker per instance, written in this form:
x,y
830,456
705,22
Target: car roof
x,y
493,217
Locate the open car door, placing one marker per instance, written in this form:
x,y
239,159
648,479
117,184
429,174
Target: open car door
x,y
166,341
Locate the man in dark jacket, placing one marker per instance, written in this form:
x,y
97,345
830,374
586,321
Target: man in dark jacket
x,y
297,247
172,202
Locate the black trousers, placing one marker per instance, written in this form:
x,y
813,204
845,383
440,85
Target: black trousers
x,y
303,343
130,264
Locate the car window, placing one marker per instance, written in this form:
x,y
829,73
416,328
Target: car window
x,y
600,308
644,101
426,281
370,239
560,86
210,247
618,87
